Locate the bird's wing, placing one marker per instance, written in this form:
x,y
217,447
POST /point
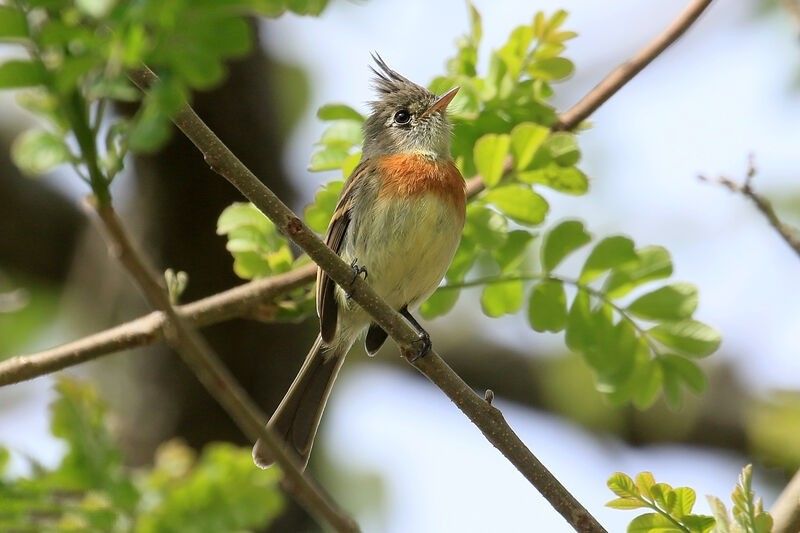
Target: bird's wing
x,y
327,307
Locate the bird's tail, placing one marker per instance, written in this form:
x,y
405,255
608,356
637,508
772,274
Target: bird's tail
x,y
296,420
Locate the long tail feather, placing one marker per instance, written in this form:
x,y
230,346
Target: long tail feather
x,y
297,418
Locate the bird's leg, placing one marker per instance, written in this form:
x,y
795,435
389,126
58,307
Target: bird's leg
x,y
424,342
357,271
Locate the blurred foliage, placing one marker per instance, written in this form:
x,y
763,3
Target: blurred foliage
x,y
635,348
673,507
80,55
773,429
92,491
26,306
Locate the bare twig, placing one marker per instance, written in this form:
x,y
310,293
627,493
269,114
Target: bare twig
x,y
790,235
219,382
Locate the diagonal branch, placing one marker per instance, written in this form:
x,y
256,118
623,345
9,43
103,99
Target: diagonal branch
x,y
217,379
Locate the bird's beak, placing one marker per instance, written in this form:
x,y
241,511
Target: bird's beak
x,y
441,103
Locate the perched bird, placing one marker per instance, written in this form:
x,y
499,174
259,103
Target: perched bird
x,y
398,222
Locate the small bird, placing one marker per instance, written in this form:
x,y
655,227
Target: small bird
x,y
398,222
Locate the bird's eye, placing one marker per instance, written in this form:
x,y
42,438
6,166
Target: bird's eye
x,y
402,116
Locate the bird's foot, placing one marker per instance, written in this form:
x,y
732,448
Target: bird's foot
x,y
422,345
357,271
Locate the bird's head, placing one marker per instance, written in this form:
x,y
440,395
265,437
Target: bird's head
x,y
406,118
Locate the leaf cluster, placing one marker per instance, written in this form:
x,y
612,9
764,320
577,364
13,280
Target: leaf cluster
x,y
673,507
80,53
91,490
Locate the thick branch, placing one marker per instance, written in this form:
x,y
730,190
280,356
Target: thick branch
x,y
208,368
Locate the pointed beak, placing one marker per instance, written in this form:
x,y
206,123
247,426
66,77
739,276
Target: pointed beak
x,y
441,103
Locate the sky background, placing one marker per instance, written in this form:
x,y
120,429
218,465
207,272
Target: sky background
x,y
725,90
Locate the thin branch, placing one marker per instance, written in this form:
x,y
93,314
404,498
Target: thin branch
x,y
624,73
486,417
217,379
237,302
786,511
789,234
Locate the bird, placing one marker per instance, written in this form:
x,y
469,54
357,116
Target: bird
x,y
398,222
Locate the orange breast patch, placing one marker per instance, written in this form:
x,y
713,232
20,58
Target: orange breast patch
x,y
412,175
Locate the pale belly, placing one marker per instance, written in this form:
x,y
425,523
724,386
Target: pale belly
x,y
407,247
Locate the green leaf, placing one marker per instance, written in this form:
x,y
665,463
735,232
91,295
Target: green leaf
x,y
475,24
342,134
690,337
653,262
15,74
720,514
512,253
519,203
502,298
239,215
561,241
318,215
568,180
647,380
687,370
339,112
37,151
671,302
547,310
13,24
328,159
645,482
551,68
610,253
685,498
526,139
563,148
626,503
440,303
484,227
653,523
622,485
580,323
490,154
701,524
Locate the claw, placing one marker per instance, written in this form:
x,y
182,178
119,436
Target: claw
x,y
357,271
423,344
